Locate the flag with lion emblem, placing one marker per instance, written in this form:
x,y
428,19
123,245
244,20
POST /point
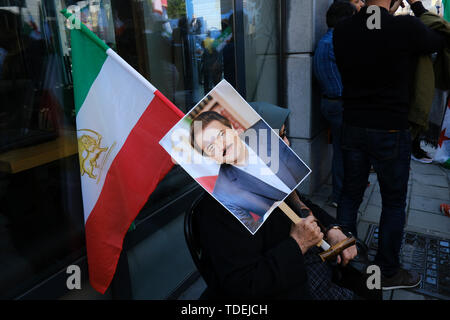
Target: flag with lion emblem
x,y
120,119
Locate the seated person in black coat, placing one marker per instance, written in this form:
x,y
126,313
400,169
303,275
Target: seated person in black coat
x,y
281,260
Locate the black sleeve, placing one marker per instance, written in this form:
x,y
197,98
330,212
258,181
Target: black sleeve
x,y
422,39
418,9
240,264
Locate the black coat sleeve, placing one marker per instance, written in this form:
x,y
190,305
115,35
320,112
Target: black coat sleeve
x,y
268,264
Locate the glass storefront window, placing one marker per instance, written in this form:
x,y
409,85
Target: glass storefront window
x,y
261,33
41,218
189,47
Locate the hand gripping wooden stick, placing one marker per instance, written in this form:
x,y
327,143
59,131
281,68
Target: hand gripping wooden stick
x,y
328,251
337,249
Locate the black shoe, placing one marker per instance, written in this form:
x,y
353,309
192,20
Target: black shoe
x,y
403,279
421,156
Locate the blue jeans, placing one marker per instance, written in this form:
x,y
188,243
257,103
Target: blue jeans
x,y
390,154
332,111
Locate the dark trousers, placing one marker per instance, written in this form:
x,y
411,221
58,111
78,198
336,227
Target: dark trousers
x,y
389,152
332,111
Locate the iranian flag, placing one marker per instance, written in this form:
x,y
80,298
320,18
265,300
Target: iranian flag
x,y
120,119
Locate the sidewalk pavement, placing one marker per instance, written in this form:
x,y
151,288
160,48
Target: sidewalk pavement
x,y
428,187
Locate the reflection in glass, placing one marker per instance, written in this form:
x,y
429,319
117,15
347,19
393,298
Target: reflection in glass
x,y
261,50
41,224
190,48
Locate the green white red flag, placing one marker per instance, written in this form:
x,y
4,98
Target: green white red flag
x,y
120,119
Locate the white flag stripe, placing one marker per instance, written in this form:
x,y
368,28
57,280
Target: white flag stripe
x,y
113,55
116,97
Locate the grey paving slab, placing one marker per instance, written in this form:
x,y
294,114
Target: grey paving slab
x,y
407,295
431,180
331,210
362,229
429,222
447,172
448,178
373,178
429,232
370,189
322,201
324,191
319,200
375,199
377,187
425,204
364,203
371,214
428,169
431,192
358,218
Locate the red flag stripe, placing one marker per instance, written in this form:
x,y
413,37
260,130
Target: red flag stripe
x,y
135,172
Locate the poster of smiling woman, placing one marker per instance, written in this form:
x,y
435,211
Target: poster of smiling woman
x,y
235,156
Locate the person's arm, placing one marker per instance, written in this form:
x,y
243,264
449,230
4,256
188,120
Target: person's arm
x,y
239,261
417,7
423,39
332,235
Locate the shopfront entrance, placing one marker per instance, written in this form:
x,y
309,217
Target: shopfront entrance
x,y
184,48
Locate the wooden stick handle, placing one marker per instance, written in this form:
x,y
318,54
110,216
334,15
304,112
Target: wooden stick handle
x,y
337,249
290,213
296,219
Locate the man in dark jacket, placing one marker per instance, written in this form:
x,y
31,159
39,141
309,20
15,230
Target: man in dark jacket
x,y
376,54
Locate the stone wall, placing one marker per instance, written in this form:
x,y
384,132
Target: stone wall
x,y
305,25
